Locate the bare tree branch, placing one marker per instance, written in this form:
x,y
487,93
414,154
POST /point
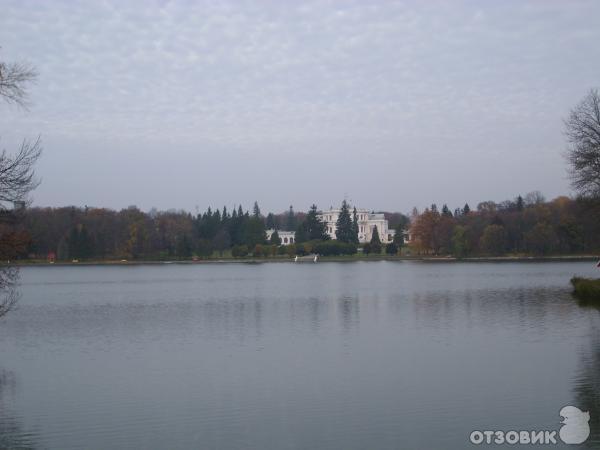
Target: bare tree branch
x,y
582,129
17,174
17,177
13,79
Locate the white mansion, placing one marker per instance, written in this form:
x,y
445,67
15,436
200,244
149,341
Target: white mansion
x,y
366,223
287,237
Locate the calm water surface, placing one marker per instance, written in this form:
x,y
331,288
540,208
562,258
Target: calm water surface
x,y
377,355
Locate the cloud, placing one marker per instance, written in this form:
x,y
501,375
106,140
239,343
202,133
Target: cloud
x,y
394,79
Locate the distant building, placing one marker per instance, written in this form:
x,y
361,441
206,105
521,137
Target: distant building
x,y
287,237
366,223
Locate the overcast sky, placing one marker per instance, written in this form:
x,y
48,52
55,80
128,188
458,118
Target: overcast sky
x,y
389,104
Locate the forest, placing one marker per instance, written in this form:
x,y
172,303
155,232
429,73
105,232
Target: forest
x,y
527,225
523,226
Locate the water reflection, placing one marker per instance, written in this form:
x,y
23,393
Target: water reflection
x,y
326,356
587,384
9,294
12,434
349,313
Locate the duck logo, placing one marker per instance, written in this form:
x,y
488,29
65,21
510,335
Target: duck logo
x,y
575,429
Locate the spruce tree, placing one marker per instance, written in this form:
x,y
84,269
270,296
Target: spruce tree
x,y
291,219
344,228
271,221
301,234
520,203
275,239
375,243
354,226
314,229
466,209
399,236
256,210
446,211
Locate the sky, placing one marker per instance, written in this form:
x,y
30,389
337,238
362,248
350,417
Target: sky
x,y
390,105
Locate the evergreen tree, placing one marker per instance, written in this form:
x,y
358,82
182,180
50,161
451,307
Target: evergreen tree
x,y
375,244
275,239
301,234
256,210
446,211
466,210
222,241
399,236
271,222
291,219
184,247
313,228
345,229
354,226
253,230
520,203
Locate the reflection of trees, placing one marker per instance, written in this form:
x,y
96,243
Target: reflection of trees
x,y
587,389
9,276
350,311
12,435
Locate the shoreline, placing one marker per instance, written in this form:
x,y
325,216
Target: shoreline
x,y
424,259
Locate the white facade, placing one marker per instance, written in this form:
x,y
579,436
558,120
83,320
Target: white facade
x,y
366,223
287,237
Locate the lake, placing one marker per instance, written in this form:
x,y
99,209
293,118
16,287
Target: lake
x,y
361,355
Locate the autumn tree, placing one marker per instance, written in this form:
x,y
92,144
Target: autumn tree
x,y
460,244
493,240
541,239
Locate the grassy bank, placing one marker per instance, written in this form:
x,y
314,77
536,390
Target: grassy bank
x,y
586,289
285,258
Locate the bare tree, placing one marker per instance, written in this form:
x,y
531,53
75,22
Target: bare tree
x,y
17,179
17,174
582,129
13,79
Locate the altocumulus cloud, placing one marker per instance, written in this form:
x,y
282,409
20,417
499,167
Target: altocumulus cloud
x,y
413,89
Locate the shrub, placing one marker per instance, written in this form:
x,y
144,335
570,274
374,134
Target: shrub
x,y
300,250
586,289
258,251
375,247
239,251
334,248
391,249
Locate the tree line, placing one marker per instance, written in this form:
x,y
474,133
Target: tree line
x,y
68,233
528,226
